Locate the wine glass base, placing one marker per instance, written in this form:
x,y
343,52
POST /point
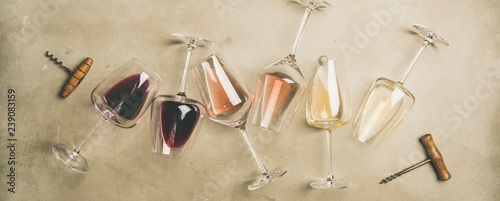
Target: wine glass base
x,y
330,184
266,179
193,40
70,158
429,34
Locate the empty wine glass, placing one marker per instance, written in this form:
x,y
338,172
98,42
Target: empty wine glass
x,y
228,101
281,84
121,98
175,119
387,102
328,107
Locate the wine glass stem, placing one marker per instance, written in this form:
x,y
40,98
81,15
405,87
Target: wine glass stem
x,y
424,45
254,153
186,67
99,123
330,154
301,29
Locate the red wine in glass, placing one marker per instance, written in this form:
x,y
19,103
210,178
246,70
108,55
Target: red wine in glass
x,y
175,119
121,98
128,96
178,121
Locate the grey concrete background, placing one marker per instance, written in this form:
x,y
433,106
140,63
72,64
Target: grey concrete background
x,y
456,89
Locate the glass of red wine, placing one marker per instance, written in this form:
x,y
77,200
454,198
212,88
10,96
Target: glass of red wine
x,y
121,98
228,102
175,119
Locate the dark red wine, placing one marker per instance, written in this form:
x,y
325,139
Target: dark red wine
x,y
128,96
178,121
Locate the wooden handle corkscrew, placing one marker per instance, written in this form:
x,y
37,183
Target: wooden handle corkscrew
x,y
76,77
436,157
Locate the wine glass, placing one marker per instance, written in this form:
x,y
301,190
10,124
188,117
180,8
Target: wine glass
x,y
387,101
281,84
328,107
175,118
228,101
121,98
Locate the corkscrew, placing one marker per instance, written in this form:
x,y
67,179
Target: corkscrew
x,y
76,76
435,158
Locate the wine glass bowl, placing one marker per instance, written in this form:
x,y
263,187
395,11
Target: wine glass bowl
x,y
385,105
281,87
328,102
227,101
175,123
328,107
122,99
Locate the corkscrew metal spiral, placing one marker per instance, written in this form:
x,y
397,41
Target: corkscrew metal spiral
x,y
75,76
60,63
390,178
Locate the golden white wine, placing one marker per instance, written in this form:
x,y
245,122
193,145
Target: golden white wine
x,y
385,105
326,102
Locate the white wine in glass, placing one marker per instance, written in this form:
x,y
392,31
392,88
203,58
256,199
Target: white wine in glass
x,y
387,102
328,107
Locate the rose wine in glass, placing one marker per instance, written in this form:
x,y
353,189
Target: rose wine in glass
x,y
281,85
175,119
121,98
228,102
387,102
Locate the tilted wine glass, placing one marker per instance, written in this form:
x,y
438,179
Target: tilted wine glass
x,y
228,102
121,98
175,119
387,101
328,107
281,84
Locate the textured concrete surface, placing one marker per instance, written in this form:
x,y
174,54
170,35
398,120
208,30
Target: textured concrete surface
x,y
456,89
